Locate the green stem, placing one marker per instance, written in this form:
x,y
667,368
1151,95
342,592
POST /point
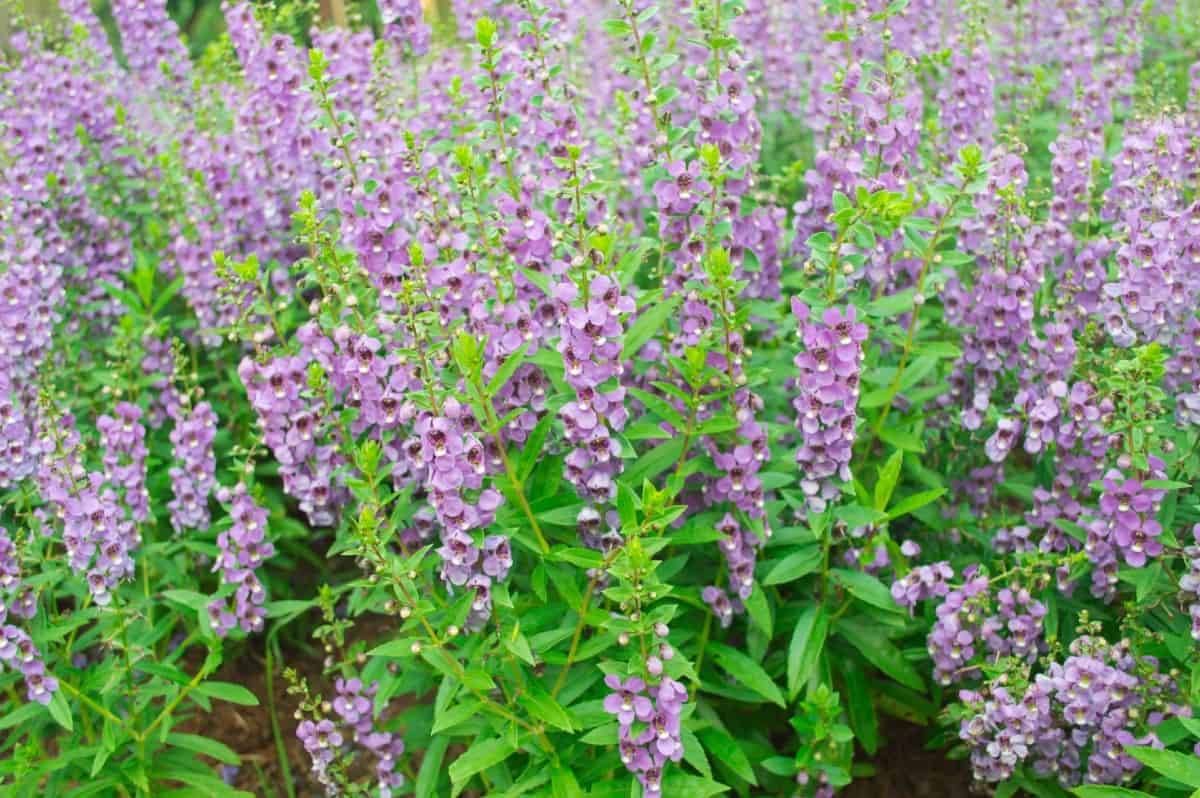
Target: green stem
x,y
835,250
583,608
177,700
518,484
276,731
99,710
930,256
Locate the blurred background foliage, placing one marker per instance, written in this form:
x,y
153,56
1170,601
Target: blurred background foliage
x,y
202,21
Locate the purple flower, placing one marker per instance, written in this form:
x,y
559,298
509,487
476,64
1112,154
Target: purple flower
x,y
627,701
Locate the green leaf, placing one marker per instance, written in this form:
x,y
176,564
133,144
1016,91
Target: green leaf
x,y
203,745
167,295
881,653
678,784
453,716
1172,764
866,588
1107,791
125,297
855,515
608,734
661,407
61,711
891,305
794,566
564,784
902,439
22,714
780,765
859,705
506,370
542,281
646,325
808,640
693,750
392,648
888,476
760,611
728,752
747,672
914,502
482,755
542,705
1165,484
577,555
212,788
288,608
226,691
654,462
519,645
561,516
189,598
1040,788
431,766
531,451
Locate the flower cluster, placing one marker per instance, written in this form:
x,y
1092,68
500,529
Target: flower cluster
x,y
922,583
18,602
1073,721
655,710
194,476
123,438
244,548
974,622
292,425
355,706
827,398
740,548
454,463
590,345
1189,583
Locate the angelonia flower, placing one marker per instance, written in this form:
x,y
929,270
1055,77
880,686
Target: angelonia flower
x,y
322,741
454,463
98,537
1081,445
1072,721
18,445
967,99
1125,526
158,365
740,549
973,622
17,650
244,547
827,398
955,636
405,26
656,709
590,345
1189,583
123,438
997,310
150,41
922,583
293,425
194,475
354,705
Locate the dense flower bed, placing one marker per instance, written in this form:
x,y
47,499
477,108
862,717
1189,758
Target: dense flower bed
x,y
627,399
